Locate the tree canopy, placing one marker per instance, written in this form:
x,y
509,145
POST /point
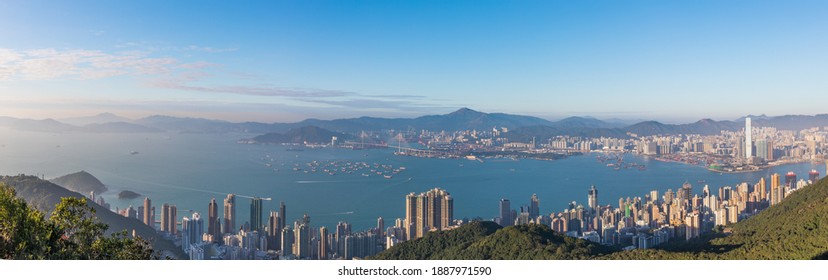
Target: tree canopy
x,y
71,232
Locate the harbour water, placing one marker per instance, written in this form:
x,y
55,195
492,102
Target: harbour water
x,y
188,169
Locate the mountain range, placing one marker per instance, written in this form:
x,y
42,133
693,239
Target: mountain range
x,y
520,126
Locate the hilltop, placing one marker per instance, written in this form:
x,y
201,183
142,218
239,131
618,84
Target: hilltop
x,y
488,241
81,182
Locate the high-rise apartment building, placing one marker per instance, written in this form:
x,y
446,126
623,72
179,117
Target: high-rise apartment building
x,y
506,218
592,199
534,207
432,210
256,215
213,224
229,214
748,140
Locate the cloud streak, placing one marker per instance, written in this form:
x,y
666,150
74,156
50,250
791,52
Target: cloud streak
x,y
51,64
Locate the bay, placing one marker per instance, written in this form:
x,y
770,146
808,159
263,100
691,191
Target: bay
x,y
187,170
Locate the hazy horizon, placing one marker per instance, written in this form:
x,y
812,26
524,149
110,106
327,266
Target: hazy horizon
x,y
674,62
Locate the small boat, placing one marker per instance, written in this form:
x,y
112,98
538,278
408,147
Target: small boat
x,y
387,176
133,153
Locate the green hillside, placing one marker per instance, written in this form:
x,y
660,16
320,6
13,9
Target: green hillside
x,y
81,182
488,241
797,228
44,195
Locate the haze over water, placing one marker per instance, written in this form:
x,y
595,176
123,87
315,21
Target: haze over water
x,y
187,170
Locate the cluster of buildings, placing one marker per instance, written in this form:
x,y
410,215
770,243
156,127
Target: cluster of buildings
x,y
651,220
227,238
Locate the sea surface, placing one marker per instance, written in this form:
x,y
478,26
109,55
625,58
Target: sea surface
x,y
187,170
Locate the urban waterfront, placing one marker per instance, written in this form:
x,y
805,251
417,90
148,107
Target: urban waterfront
x,y
188,170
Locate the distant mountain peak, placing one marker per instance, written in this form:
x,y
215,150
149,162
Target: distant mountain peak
x,y
466,111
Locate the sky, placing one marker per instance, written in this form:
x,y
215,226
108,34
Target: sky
x,y
283,61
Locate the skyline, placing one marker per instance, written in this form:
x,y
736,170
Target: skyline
x,y
292,60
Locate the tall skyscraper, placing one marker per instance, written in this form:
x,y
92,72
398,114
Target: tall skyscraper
x,y
323,243
447,214
748,140
790,180
282,214
165,214
302,241
776,190
762,188
813,176
506,218
274,230
433,209
534,206
592,199
213,220
410,216
229,214
148,215
762,149
191,230
256,214
381,227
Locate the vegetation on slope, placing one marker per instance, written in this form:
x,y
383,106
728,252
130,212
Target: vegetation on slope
x,y
797,228
72,232
81,182
488,241
44,196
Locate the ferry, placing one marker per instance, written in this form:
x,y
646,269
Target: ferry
x,y
387,176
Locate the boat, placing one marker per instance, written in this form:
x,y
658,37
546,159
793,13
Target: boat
x,y
388,176
133,153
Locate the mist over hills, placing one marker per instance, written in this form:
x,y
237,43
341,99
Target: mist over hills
x,y
521,127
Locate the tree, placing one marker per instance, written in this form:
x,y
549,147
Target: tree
x,y
72,232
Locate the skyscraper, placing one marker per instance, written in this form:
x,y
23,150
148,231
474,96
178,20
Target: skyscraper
x,y
282,214
432,210
323,243
534,206
256,214
302,241
192,230
790,180
274,230
813,176
748,140
213,219
165,215
381,227
410,216
229,214
506,218
148,218
776,190
592,199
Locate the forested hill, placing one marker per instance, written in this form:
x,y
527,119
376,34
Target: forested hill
x,y
488,241
44,195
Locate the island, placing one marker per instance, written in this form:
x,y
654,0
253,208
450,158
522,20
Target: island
x,y
128,195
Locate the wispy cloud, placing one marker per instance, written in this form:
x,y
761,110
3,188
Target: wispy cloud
x,y
49,64
253,90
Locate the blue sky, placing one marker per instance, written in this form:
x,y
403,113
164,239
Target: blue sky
x,y
672,61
